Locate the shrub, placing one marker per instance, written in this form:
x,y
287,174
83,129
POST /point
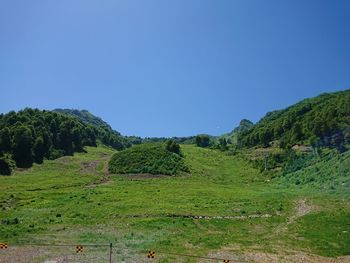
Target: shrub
x,y
202,140
6,165
153,158
173,146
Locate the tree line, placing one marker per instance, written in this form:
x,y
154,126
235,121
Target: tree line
x,y
320,121
32,135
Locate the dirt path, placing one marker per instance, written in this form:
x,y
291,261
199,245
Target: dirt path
x,y
91,168
301,208
195,217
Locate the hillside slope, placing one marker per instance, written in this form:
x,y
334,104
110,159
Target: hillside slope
x,y
85,116
232,137
327,171
224,208
320,121
106,134
32,135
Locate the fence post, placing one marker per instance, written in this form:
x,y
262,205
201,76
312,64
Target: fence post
x,y
110,252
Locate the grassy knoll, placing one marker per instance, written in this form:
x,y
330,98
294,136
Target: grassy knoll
x,y
152,158
75,200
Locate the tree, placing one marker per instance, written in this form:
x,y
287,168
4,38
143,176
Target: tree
x,y
203,140
65,136
39,150
76,138
6,165
22,146
223,143
296,132
173,146
5,140
265,137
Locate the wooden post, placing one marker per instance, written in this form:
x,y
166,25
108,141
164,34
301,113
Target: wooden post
x,y
110,252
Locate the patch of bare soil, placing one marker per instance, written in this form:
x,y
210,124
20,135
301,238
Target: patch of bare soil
x,y
293,258
196,218
145,176
21,255
22,170
301,208
47,254
88,167
64,159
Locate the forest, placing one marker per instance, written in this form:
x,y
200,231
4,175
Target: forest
x,y
31,135
320,121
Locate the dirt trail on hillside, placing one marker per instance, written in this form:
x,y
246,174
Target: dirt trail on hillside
x,y
301,208
91,168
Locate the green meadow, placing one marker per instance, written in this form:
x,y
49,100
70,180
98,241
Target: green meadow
x,y
223,206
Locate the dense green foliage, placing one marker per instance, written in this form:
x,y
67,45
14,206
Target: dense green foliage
x,y
320,121
31,135
173,146
223,143
202,140
105,133
328,170
152,158
85,116
231,137
182,140
6,164
244,125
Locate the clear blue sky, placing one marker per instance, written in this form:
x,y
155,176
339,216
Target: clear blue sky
x,y
172,68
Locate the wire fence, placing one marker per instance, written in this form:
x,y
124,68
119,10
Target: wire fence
x,y
93,253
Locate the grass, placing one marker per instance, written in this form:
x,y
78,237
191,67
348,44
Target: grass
x,y
74,200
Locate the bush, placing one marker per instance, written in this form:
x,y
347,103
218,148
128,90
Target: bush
x,y
55,153
6,165
173,146
153,158
202,140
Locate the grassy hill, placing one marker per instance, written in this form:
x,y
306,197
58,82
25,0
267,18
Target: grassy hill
x,y
225,208
330,170
149,158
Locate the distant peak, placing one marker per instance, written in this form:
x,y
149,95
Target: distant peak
x,y
245,122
